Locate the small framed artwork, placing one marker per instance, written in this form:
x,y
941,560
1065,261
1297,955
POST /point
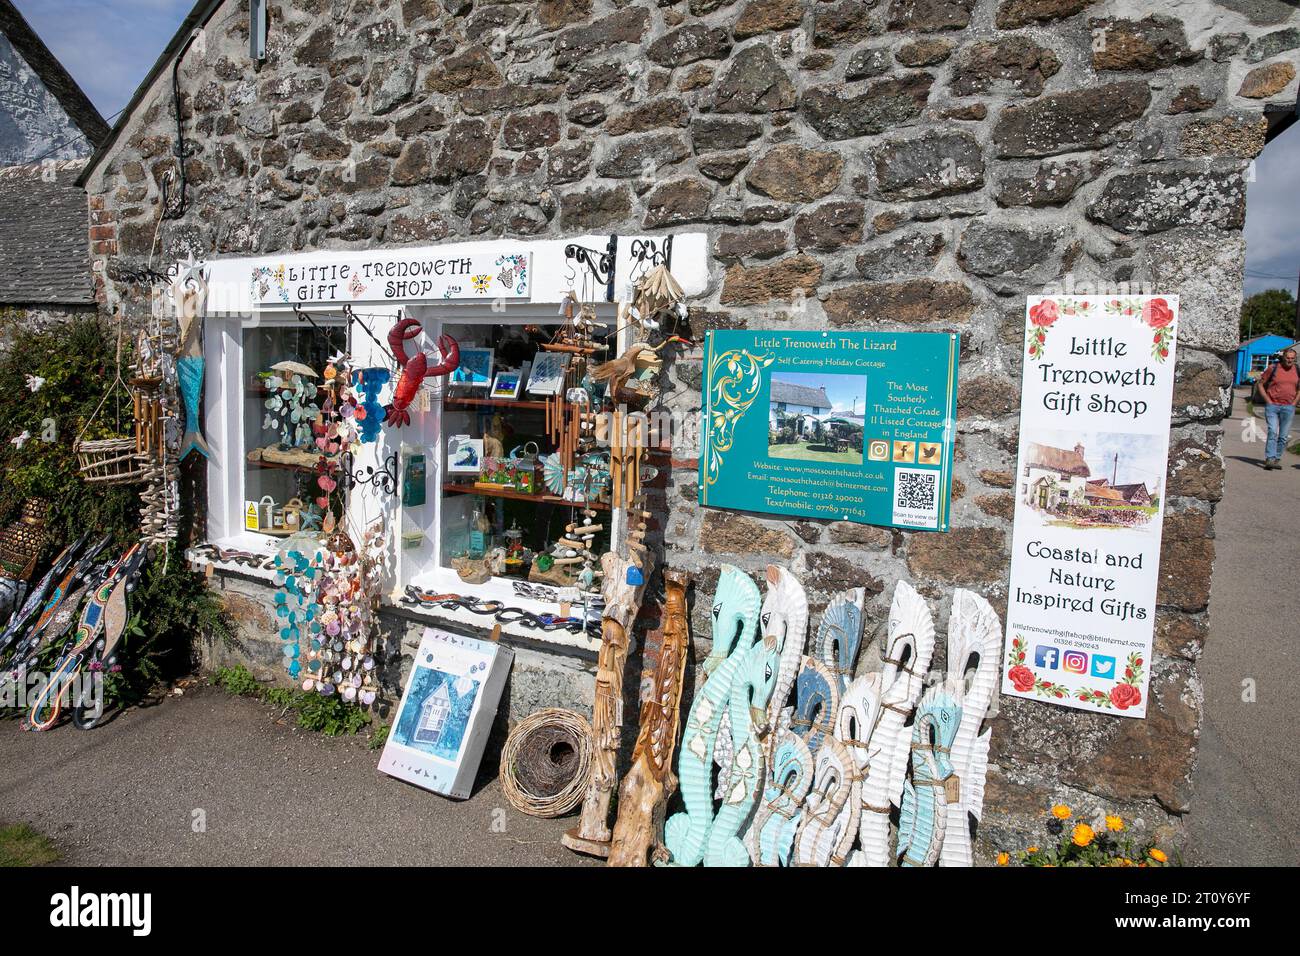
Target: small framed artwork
x,y
548,373
507,384
474,370
464,455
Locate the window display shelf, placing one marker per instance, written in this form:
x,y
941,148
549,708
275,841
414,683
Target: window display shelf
x,y
468,489
463,403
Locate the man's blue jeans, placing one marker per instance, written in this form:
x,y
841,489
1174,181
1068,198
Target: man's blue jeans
x,y
1279,428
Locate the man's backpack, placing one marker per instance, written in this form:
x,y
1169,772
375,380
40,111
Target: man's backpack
x,y
1257,391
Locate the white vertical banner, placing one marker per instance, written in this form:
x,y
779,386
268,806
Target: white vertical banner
x,y
1090,494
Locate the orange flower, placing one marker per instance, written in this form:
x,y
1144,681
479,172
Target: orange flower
x,y
1082,834
1114,822
1004,858
1032,849
1158,855
1061,811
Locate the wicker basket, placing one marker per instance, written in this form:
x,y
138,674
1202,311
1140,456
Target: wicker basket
x,y
111,461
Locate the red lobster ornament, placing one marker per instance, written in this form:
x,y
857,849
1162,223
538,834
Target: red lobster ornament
x,y
415,369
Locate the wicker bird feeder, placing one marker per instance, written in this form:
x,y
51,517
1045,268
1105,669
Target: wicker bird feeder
x,y
116,460
22,541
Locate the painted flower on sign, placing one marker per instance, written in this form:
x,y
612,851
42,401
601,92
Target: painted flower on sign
x,y
1022,677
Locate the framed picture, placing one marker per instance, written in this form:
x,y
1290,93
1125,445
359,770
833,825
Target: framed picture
x,y
506,384
548,373
474,370
464,455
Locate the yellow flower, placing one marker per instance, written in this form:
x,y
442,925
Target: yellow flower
x,y
1004,858
1114,822
1158,855
1061,811
1032,849
1082,834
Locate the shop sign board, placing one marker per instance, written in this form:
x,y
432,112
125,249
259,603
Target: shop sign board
x,y
442,724
847,426
1098,384
391,275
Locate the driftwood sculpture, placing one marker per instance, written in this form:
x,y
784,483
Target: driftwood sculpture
x,y
857,719
933,786
910,643
974,642
735,615
651,782
622,601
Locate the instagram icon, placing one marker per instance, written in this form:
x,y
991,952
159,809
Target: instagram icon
x,y
1074,662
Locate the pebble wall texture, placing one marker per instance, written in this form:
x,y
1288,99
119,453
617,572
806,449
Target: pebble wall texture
x,y
888,165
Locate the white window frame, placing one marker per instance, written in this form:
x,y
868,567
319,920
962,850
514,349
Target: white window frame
x,y
224,410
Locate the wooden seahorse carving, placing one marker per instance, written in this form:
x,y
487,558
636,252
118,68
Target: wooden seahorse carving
x,y
839,634
932,787
974,643
817,701
784,615
830,812
735,616
790,774
859,712
650,781
750,691
907,653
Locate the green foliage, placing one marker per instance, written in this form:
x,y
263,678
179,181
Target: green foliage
x,y
77,360
20,845
379,736
237,681
1271,312
331,716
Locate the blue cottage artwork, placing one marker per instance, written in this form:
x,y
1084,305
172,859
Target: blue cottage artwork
x,y
437,712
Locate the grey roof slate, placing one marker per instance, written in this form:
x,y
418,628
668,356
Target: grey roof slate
x,y
44,236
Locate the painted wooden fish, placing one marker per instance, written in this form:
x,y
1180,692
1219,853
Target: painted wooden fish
x,y
974,643
923,816
735,616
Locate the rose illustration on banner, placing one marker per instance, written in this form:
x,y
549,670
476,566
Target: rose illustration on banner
x,y
1024,680
1127,693
1041,317
1157,314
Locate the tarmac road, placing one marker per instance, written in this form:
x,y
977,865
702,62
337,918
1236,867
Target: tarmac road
x,y
272,795
1244,785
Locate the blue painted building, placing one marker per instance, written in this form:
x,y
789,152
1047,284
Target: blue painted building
x,y
1254,355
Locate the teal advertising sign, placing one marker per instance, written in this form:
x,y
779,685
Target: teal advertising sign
x,y
848,426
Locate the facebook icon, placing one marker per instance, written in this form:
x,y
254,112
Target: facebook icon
x,y
1045,656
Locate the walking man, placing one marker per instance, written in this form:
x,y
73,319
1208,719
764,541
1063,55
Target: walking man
x,y
1279,385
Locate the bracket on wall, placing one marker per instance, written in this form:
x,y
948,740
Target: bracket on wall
x,y
144,275
652,253
382,479
599,264
304,316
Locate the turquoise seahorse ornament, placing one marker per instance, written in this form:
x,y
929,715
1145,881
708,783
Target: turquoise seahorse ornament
x,y
750,691
777,818
839,634
735,616
933,785
817,703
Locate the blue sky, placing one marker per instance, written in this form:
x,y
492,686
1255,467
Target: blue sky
x,y
842,390
108,45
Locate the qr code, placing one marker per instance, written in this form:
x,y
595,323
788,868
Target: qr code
x,y
917,490
916,497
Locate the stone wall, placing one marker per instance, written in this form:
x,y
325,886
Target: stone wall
x,y
902,164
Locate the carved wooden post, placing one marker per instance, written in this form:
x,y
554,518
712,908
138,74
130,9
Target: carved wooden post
x,y
647,787
622,601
